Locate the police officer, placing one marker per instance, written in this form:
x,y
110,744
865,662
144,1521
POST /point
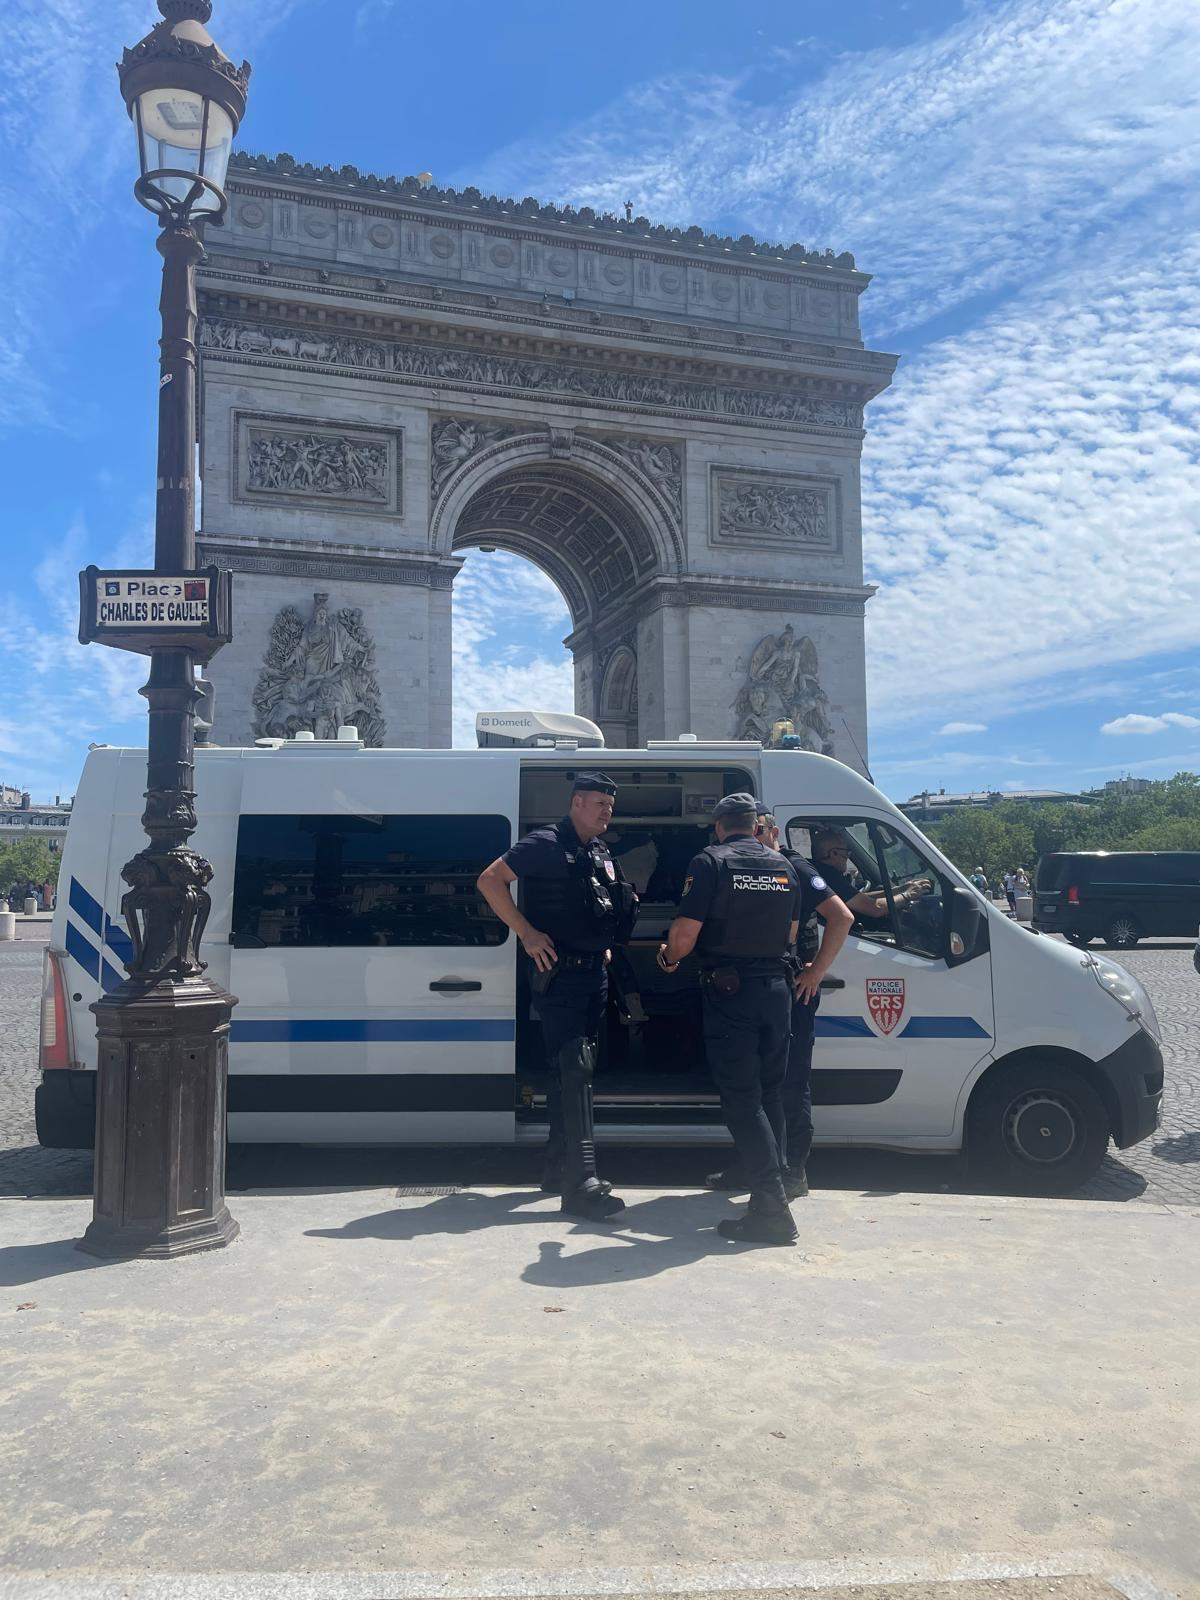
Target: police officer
x,y
576,906
814,957
739,912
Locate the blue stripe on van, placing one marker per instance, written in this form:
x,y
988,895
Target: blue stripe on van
x,y
84,906
843,1028
944,1028
110,979
117,939
81,948
362,1030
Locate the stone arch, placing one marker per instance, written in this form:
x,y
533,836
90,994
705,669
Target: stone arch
x,y
617,707
572,506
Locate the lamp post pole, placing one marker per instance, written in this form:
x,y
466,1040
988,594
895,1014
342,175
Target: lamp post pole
x,y
163,1032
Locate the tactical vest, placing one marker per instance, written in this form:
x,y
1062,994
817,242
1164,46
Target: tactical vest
x,y
808,941
751,913
582,911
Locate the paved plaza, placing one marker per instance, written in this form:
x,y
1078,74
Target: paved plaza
x,y
1164,1168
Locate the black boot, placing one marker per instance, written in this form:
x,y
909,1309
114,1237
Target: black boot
x,y
582,1192
795,1182
552,1177
767,1221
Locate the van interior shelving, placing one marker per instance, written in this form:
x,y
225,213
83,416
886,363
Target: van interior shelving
x,y
651,1061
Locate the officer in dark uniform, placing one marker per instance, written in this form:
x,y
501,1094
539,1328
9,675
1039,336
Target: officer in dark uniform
x,y
739,912
814,957
576,905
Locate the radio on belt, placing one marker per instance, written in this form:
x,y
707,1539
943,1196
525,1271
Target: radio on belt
x,y
145,611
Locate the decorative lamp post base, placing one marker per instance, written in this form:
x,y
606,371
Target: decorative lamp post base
x,y
160,1121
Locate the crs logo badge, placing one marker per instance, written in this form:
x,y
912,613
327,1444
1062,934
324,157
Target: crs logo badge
x,y
885,1002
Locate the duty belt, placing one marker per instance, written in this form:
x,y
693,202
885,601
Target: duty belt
x,y
573,961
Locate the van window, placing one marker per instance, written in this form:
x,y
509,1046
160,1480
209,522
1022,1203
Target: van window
x,y
365,880
870,865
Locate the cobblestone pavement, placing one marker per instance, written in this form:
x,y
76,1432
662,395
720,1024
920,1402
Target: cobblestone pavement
x,y
1163,1168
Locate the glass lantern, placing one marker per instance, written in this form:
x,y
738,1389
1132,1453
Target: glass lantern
x,y
181,134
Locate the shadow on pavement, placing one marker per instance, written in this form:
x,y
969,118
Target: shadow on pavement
x,y
30,1170
1182,1148
22,1264
682,1229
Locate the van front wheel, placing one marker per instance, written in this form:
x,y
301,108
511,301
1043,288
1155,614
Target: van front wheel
x,y
1037,1128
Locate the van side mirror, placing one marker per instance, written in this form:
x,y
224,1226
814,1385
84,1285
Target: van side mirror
x,y
967,935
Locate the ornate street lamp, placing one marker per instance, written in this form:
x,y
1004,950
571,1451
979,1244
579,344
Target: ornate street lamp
x,y
163,1033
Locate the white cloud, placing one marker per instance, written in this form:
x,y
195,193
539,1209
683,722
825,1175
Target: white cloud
x,y
58,694
1032,489
69,161
956,728
954,166
1135,722
508,621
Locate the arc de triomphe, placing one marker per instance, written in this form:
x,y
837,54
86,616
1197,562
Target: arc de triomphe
x,y
668,423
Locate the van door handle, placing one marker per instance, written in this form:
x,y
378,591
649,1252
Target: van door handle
x,y
833,983
455,985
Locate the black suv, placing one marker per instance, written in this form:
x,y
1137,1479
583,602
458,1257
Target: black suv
x,y
1119,896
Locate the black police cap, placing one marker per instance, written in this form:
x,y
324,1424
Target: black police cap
x,y
594,783
735,805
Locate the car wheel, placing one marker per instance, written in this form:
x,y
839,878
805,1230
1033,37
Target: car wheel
x,y
1037,1128
1123,932
1079,940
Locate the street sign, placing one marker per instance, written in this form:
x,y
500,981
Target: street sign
x,y
145,611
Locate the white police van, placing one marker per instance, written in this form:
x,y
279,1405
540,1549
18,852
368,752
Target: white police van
x,y
381,1002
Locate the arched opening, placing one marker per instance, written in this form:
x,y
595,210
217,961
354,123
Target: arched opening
x,y
618,699
589,545
509,620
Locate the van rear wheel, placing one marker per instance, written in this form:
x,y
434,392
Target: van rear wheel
x,y
1123,932
1037,1128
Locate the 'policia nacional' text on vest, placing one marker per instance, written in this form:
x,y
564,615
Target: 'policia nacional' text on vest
x,y
751,913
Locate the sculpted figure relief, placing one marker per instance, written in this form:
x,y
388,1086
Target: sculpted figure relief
x,y
318,675
455,441
782,686
318,464
481,369
785,509
658,462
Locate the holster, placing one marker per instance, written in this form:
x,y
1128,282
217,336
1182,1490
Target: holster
x,y
539,981
724,981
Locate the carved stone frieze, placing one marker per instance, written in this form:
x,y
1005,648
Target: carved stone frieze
x,y
795,509
483,370
782,695
329,464
319,675
454,440
660,463
285,460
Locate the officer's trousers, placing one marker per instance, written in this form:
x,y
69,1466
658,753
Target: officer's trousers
x,y
572,1008
746,1040
797,1086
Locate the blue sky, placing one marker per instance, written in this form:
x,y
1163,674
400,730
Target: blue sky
x,y
1021,178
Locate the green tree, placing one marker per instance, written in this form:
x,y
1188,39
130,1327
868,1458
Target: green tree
x,y
27,861
1014,833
